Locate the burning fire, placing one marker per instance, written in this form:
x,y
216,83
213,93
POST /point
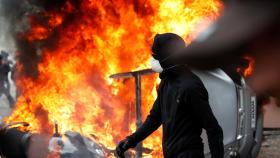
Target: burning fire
x,y
93,40
250,69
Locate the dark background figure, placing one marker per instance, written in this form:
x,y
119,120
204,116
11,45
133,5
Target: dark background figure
x,y
182,108
5,58
4,80
248,27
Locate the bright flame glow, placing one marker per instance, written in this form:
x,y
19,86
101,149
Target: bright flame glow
x,y
103,38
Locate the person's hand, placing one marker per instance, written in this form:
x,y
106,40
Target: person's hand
x,y
123,146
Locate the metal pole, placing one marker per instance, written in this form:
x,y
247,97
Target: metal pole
x,y
137,76
139,147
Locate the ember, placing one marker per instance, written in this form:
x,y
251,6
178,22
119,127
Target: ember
x,y
77,45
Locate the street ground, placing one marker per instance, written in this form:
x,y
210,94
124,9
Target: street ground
x,y
271,144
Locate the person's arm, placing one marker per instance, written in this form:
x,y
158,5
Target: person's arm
x,y
152,123
199,101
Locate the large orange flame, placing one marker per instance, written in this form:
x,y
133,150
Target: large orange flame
x,y
102,38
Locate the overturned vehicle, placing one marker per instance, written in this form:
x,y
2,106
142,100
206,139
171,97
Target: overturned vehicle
x,y
235,107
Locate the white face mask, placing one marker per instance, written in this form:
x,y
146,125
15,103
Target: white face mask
x,y
156,65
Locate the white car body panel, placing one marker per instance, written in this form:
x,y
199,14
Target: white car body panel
x,y
234,106
222,98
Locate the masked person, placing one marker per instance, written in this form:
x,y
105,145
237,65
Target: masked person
x,y
4,81
182,108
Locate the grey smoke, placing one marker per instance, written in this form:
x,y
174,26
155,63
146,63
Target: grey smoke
x,y
13,20
7,42
15,14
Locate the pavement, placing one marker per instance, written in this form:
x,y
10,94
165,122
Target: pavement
x,y
271,144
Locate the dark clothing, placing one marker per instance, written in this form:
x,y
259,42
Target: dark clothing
x,y
183,109
4,71
193,153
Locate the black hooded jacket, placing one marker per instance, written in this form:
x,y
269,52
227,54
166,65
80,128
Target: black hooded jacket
x,y
183,109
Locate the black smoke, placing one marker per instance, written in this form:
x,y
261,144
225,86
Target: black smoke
x,y
21,16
